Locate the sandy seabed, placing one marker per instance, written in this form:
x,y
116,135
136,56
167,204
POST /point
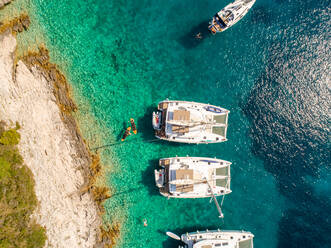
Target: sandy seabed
x,y
27,97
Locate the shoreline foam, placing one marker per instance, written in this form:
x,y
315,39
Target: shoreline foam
x,y
36,94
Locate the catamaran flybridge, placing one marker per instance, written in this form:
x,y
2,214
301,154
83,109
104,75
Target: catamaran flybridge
x,y
190,122
230,15
216,239
193,177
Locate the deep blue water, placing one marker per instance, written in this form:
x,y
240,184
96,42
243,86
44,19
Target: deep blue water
x,y
289,110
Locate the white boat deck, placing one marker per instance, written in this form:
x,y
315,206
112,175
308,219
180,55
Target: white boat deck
x,y
217,238
191,122
231,14
189,177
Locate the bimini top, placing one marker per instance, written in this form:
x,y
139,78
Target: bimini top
x,y
218,239
193,177
190,122
230,15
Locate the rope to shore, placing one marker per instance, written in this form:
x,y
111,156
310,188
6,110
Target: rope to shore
x,y
121,143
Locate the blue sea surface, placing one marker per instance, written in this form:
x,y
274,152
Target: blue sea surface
x,y
271,70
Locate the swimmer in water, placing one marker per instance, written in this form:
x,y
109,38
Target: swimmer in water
x,y
126,133
145,222
198,36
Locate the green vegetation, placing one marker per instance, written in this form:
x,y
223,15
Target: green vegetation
x,y
17,196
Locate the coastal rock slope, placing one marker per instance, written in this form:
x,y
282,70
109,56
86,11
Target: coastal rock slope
x,y
26,97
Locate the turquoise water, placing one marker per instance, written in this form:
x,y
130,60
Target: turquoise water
x,y
123,57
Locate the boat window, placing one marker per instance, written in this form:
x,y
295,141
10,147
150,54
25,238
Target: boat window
x,y
246,244
218,245
224,244
221,182
220,119
219,131
222,171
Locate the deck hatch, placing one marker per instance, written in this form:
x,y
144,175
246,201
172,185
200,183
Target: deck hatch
x,y
246,244
221,182
222,171
219,131
220,119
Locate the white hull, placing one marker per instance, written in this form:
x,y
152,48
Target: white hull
x,y
232,239
230,15
193,177
190,122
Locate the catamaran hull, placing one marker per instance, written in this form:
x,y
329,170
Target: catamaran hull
x,y
190,122
190,141
162,182
211,238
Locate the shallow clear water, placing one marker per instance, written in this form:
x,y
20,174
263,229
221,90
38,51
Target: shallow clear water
x,y
271,70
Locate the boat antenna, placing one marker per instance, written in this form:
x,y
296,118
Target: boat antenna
x,y
216,202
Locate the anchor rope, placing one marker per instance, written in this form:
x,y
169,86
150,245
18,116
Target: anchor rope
x,y
121,143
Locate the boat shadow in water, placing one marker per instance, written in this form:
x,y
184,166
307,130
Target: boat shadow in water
x,y
147,177
189,40
144,124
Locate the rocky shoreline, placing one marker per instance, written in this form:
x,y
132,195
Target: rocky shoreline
x,y
4,2
36,94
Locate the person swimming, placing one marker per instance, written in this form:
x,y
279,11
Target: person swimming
x,y
126,133
198,36
133,125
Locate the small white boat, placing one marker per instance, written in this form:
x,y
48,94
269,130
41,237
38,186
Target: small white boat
x,y
193,177
218,238
190,122
230,15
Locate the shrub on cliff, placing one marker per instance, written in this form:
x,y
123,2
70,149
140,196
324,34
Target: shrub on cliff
x,y
17,197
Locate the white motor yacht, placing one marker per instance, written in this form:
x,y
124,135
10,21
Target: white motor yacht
x,y
230,15
190,122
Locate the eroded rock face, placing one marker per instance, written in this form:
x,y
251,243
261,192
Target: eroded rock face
x,y
49,148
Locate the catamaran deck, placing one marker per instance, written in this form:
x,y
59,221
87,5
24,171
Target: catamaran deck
x,y
218,238
193,177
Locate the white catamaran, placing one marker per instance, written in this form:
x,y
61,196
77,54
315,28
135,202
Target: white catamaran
x,y
230,15
194,177
215,239
190,122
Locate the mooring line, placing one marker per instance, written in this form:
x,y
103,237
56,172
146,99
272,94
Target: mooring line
x,y
121,143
